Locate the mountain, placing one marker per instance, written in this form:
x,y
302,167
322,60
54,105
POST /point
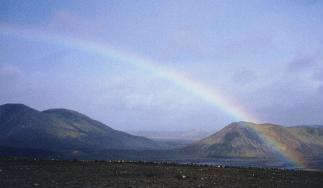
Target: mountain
x,y
62,130
245,139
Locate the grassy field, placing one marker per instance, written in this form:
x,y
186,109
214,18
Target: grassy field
x,y
79,174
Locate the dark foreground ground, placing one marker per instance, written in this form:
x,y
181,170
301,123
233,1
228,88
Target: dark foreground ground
x,y
92,174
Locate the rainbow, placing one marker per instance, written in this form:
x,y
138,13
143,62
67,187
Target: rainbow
x,y
210,95
282,151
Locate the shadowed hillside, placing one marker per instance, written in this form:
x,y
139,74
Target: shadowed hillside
x,y
61,129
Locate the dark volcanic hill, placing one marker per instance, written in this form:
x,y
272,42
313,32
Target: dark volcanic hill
x,y
244,139
62,130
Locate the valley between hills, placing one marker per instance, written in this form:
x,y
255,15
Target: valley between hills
x,y
67,134
66,149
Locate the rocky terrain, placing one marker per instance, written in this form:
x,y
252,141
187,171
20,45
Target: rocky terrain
x,y
99,174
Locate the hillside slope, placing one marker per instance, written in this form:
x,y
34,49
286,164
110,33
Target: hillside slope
x,y
61,129
244,139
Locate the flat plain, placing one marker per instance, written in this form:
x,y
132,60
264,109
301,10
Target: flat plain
x,y
100,174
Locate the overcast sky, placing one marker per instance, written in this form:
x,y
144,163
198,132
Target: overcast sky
x,y
267,55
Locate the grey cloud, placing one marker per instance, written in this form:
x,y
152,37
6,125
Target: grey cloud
x,y
53,57
307,2
302,64
318,75
9,76
320,89
244,76
308,68
294,96
9,71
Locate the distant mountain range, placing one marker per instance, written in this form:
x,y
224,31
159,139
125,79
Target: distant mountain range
x,y
61,133
174,139
186,135
62,130
245,139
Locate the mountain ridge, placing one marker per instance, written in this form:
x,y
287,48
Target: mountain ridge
x,y
246,139
61,129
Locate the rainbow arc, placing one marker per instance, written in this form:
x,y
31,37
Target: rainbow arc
x,y
203,91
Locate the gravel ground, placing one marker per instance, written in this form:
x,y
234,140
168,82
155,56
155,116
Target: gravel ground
x,y
81,174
